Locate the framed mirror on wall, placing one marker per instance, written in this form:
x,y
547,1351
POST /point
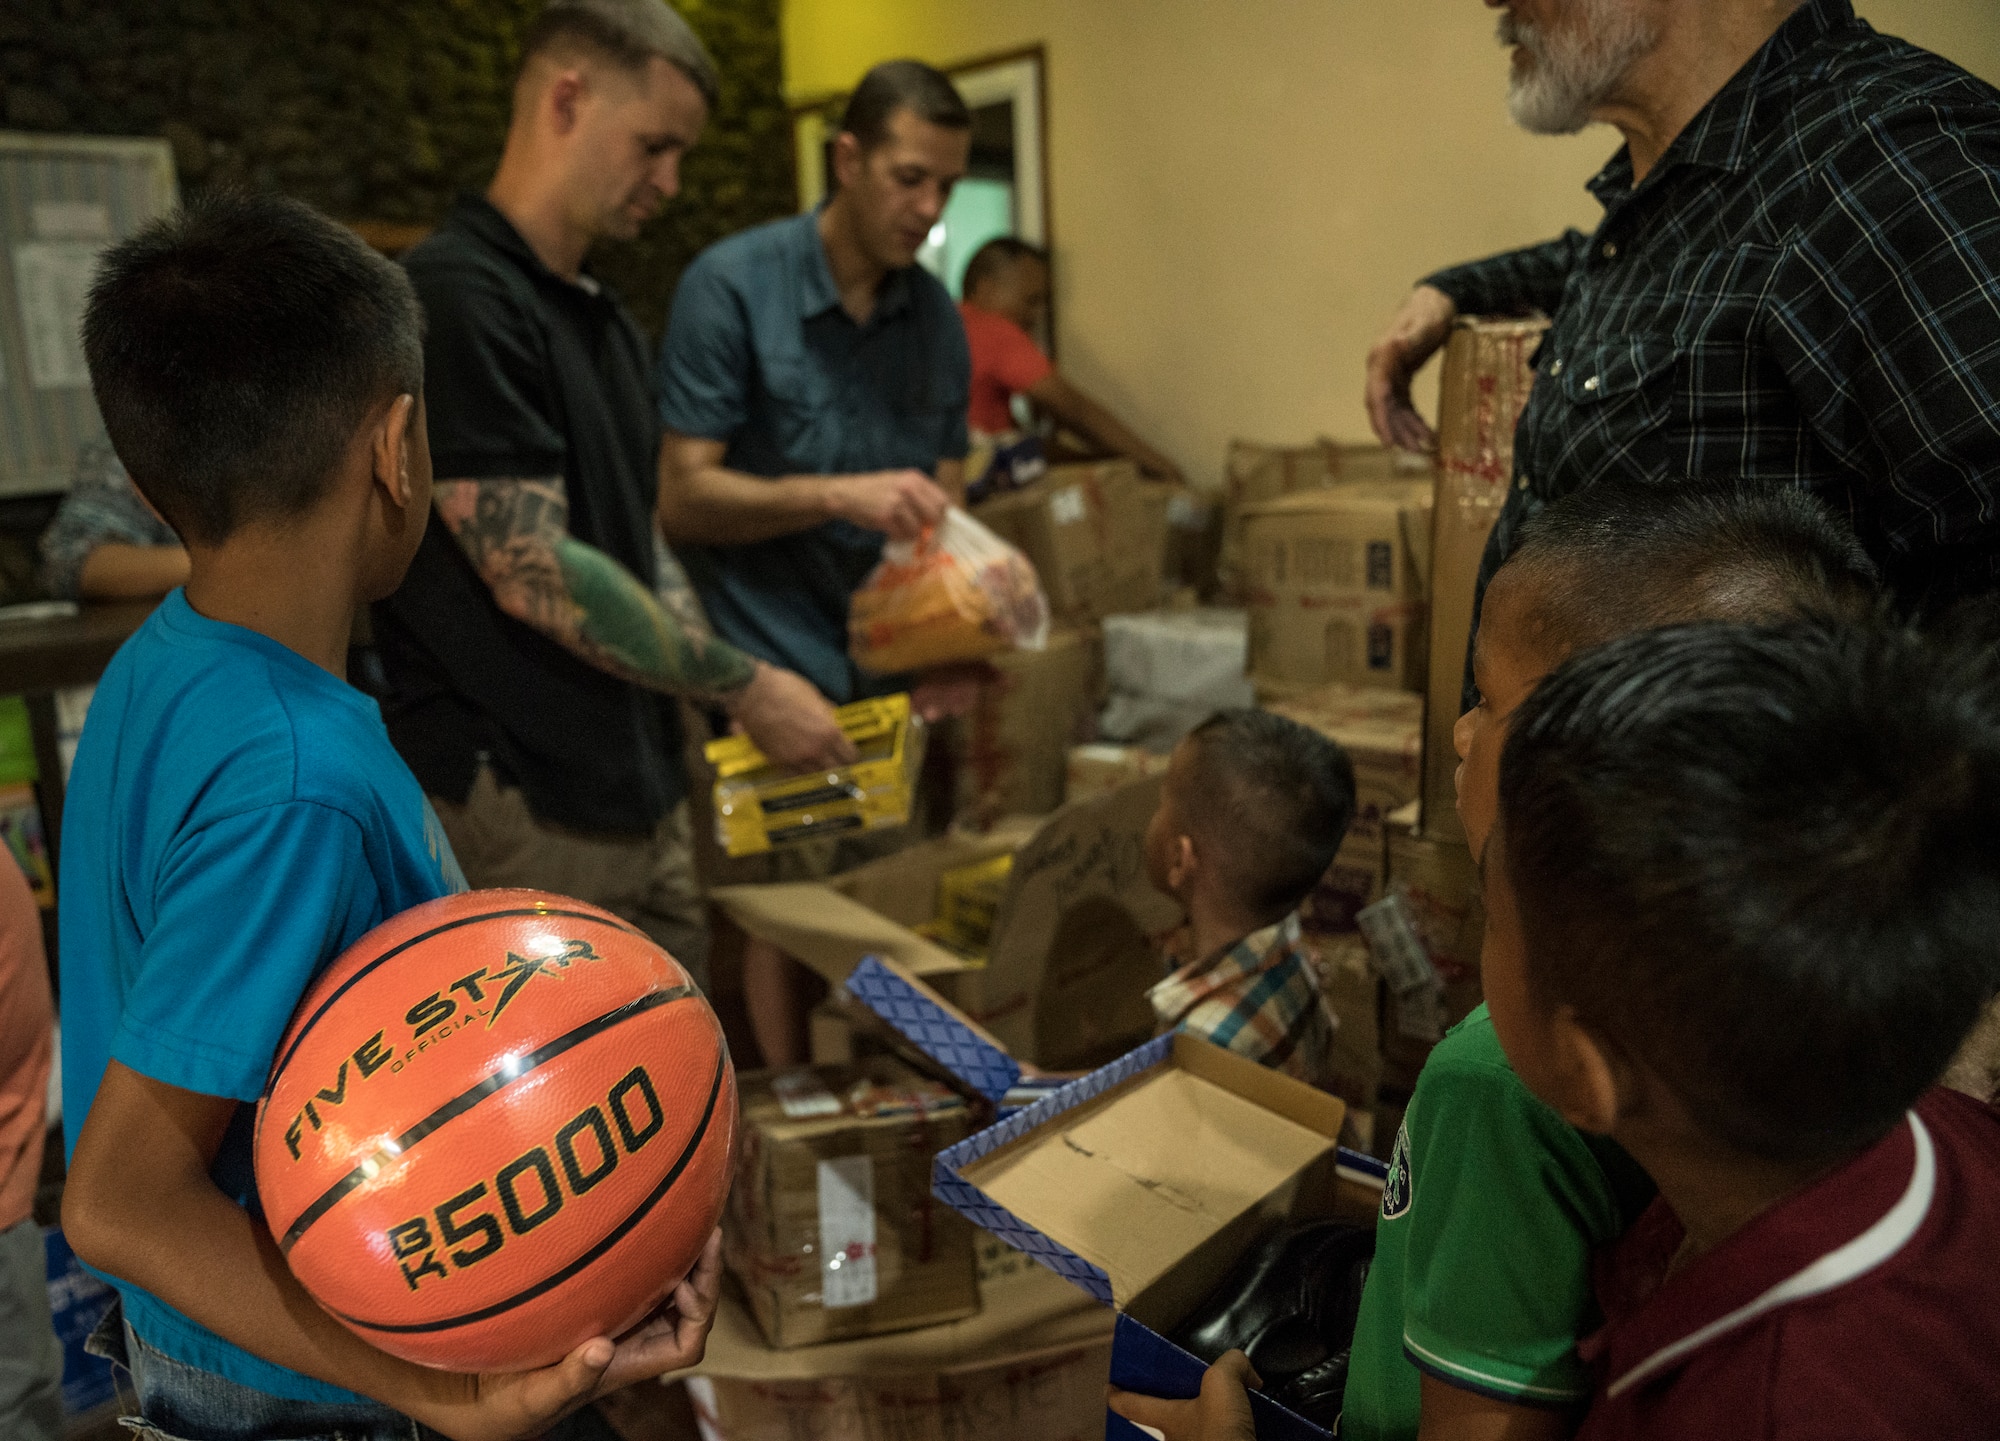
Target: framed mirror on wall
x,y
1006,187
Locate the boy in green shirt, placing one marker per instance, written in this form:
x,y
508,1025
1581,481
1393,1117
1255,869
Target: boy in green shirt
x,y
1480,1286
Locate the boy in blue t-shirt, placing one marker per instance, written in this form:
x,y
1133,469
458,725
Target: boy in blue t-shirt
x,y
237,818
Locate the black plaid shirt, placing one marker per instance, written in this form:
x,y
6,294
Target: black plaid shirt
x,y
1805,290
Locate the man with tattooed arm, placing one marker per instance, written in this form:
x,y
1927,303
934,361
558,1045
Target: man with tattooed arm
x,y
536,651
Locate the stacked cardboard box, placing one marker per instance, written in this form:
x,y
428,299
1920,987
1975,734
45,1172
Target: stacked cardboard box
x,y
1485,385
1256,473
1167,671
1097,535
1337,582
1032,708
831,1229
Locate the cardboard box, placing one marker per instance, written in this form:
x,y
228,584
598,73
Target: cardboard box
x,y
831,1230
1255,473
1100,768
1144,1182
1097,534
1031,1366
1337,585
1484,386
1073,949
1167,671
1036,705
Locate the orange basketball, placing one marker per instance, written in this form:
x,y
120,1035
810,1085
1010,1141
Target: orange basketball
x,y
498,1125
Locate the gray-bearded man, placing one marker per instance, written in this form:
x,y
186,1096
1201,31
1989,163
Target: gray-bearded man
x,y
1796,281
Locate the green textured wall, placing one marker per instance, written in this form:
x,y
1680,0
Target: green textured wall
x,y
378,110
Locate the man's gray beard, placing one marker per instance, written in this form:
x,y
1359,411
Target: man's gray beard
x,y
1574,69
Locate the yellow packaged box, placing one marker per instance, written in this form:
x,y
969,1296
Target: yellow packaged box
x,y
968,900
759,806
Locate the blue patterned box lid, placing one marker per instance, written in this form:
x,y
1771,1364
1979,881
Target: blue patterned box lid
x,y
976,1206
1141,1359
934,1026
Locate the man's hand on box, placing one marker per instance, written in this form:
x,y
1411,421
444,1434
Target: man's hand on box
x,y
902,504
1420,326
790,721
1220,1413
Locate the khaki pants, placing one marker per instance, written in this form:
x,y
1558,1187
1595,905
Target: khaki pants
x,y
647,880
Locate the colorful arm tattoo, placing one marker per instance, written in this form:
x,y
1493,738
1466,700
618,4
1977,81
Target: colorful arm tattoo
x,y
516,533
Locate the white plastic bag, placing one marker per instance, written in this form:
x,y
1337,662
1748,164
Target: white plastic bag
x,y
957,594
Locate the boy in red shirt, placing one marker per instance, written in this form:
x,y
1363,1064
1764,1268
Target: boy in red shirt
x,y
1741,905
1006,292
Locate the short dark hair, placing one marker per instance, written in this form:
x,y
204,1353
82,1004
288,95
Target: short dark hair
x,y
996,256
1623,555
902,85
627,33
235,347
1763,862
1271,799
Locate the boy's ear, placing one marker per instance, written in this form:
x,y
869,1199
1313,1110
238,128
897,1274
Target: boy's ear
x,y
390,451
1181,869
1596,1084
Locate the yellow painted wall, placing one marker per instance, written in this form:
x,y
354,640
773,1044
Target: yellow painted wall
x,y
1242,190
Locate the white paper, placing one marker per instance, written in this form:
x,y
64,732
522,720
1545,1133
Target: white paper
x,y
1067,506
52,284
71,220
847,1232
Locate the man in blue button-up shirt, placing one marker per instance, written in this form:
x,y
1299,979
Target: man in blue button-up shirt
x,y
813,386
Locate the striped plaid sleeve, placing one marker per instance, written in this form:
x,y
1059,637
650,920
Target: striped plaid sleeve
x,y
1515,281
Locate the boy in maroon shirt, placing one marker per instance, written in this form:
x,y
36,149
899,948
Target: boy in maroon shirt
x,y
1742,907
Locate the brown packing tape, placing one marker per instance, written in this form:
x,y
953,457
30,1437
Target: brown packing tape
x,y
1485,384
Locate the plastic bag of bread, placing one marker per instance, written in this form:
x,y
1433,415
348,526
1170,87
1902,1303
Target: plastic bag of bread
x,y
957,594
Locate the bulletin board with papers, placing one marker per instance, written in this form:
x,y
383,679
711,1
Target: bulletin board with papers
x,y
63,199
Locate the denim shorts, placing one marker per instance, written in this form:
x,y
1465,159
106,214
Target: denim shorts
x,y
178,1402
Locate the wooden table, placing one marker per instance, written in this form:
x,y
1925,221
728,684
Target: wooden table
x,y
39,658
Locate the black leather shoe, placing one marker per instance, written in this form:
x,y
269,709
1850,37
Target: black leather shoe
x,y
1290,1306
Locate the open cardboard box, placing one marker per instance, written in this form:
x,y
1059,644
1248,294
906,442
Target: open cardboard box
x,y
1072,951
1145,1181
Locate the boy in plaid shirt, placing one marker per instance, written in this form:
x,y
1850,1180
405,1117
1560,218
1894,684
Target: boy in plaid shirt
x,y
1253,809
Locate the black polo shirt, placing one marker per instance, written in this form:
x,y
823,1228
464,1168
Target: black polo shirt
x,y
528,375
